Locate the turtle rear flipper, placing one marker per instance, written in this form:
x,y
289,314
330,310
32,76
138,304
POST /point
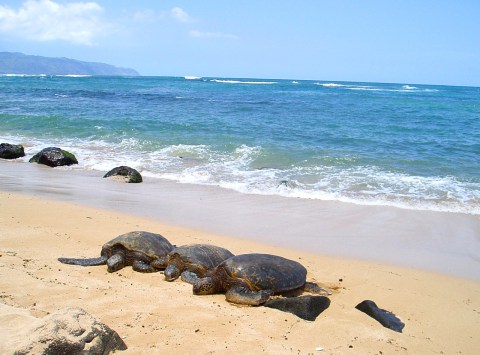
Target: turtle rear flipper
x,y
242,295
102,260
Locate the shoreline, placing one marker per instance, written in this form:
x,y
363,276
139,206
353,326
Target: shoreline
x,y
283,187
153,316
441,242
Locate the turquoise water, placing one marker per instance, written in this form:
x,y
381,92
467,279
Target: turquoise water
x,y
411,146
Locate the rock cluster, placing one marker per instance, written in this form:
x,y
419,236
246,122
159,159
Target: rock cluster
x,y
53,157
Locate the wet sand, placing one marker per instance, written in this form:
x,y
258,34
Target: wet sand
x,y
435,241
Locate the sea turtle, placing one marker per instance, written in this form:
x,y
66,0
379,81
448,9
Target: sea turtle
x,y
144,251
194,258
251,279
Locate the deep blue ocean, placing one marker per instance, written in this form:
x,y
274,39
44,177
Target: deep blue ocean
x,y
406,145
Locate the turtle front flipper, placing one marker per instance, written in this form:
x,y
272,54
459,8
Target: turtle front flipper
x,y
242,295
189,277
160,263
141,266
314,288
102,260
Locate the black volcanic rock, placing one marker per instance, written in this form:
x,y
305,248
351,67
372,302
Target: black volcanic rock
x,y
385,318
11,151
53,157
128,174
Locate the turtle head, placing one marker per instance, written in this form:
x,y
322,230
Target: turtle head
x,y
174,267
205,286
116,262
172,272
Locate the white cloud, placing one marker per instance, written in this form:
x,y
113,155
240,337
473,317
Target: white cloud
x,y
180,15
46,20
145,16
177,14
200,34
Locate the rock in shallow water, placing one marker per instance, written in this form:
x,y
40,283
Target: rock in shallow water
x,y
385,318
11,151
305,307
125,173
53,157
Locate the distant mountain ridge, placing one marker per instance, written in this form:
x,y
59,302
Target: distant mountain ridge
x,y
19,63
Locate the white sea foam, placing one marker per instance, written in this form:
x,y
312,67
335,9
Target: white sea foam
x,y
365,88
354,87
74,75
24,75
330,85
243,82
349,86
190,77
201,164
404,88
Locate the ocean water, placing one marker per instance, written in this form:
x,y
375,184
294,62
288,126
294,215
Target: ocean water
x,y
404,145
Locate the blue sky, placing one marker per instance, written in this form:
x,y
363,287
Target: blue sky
x,y
408,41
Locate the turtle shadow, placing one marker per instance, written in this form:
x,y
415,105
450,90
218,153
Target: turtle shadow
x,y
305,307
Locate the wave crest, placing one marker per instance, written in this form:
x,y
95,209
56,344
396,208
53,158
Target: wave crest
x,y
243,82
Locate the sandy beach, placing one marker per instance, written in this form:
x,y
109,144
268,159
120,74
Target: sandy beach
x,y
423,266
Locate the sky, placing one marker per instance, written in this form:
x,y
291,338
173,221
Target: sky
x,y
399,41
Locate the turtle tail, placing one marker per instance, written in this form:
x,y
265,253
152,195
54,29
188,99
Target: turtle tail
x,y
102,260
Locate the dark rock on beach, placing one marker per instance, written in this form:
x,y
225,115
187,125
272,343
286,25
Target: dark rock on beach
x,y
305,307
71,331
385,318
11,151
128,174
53,157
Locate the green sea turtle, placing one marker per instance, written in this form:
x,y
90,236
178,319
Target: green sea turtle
x,y
194,258
144,251
251,279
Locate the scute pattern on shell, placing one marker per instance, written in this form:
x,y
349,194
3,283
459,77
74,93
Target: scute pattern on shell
x,y
151,244
265,271
201,257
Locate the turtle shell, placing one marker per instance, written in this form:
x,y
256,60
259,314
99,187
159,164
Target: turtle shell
x,y
265,272
151,244
200,258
